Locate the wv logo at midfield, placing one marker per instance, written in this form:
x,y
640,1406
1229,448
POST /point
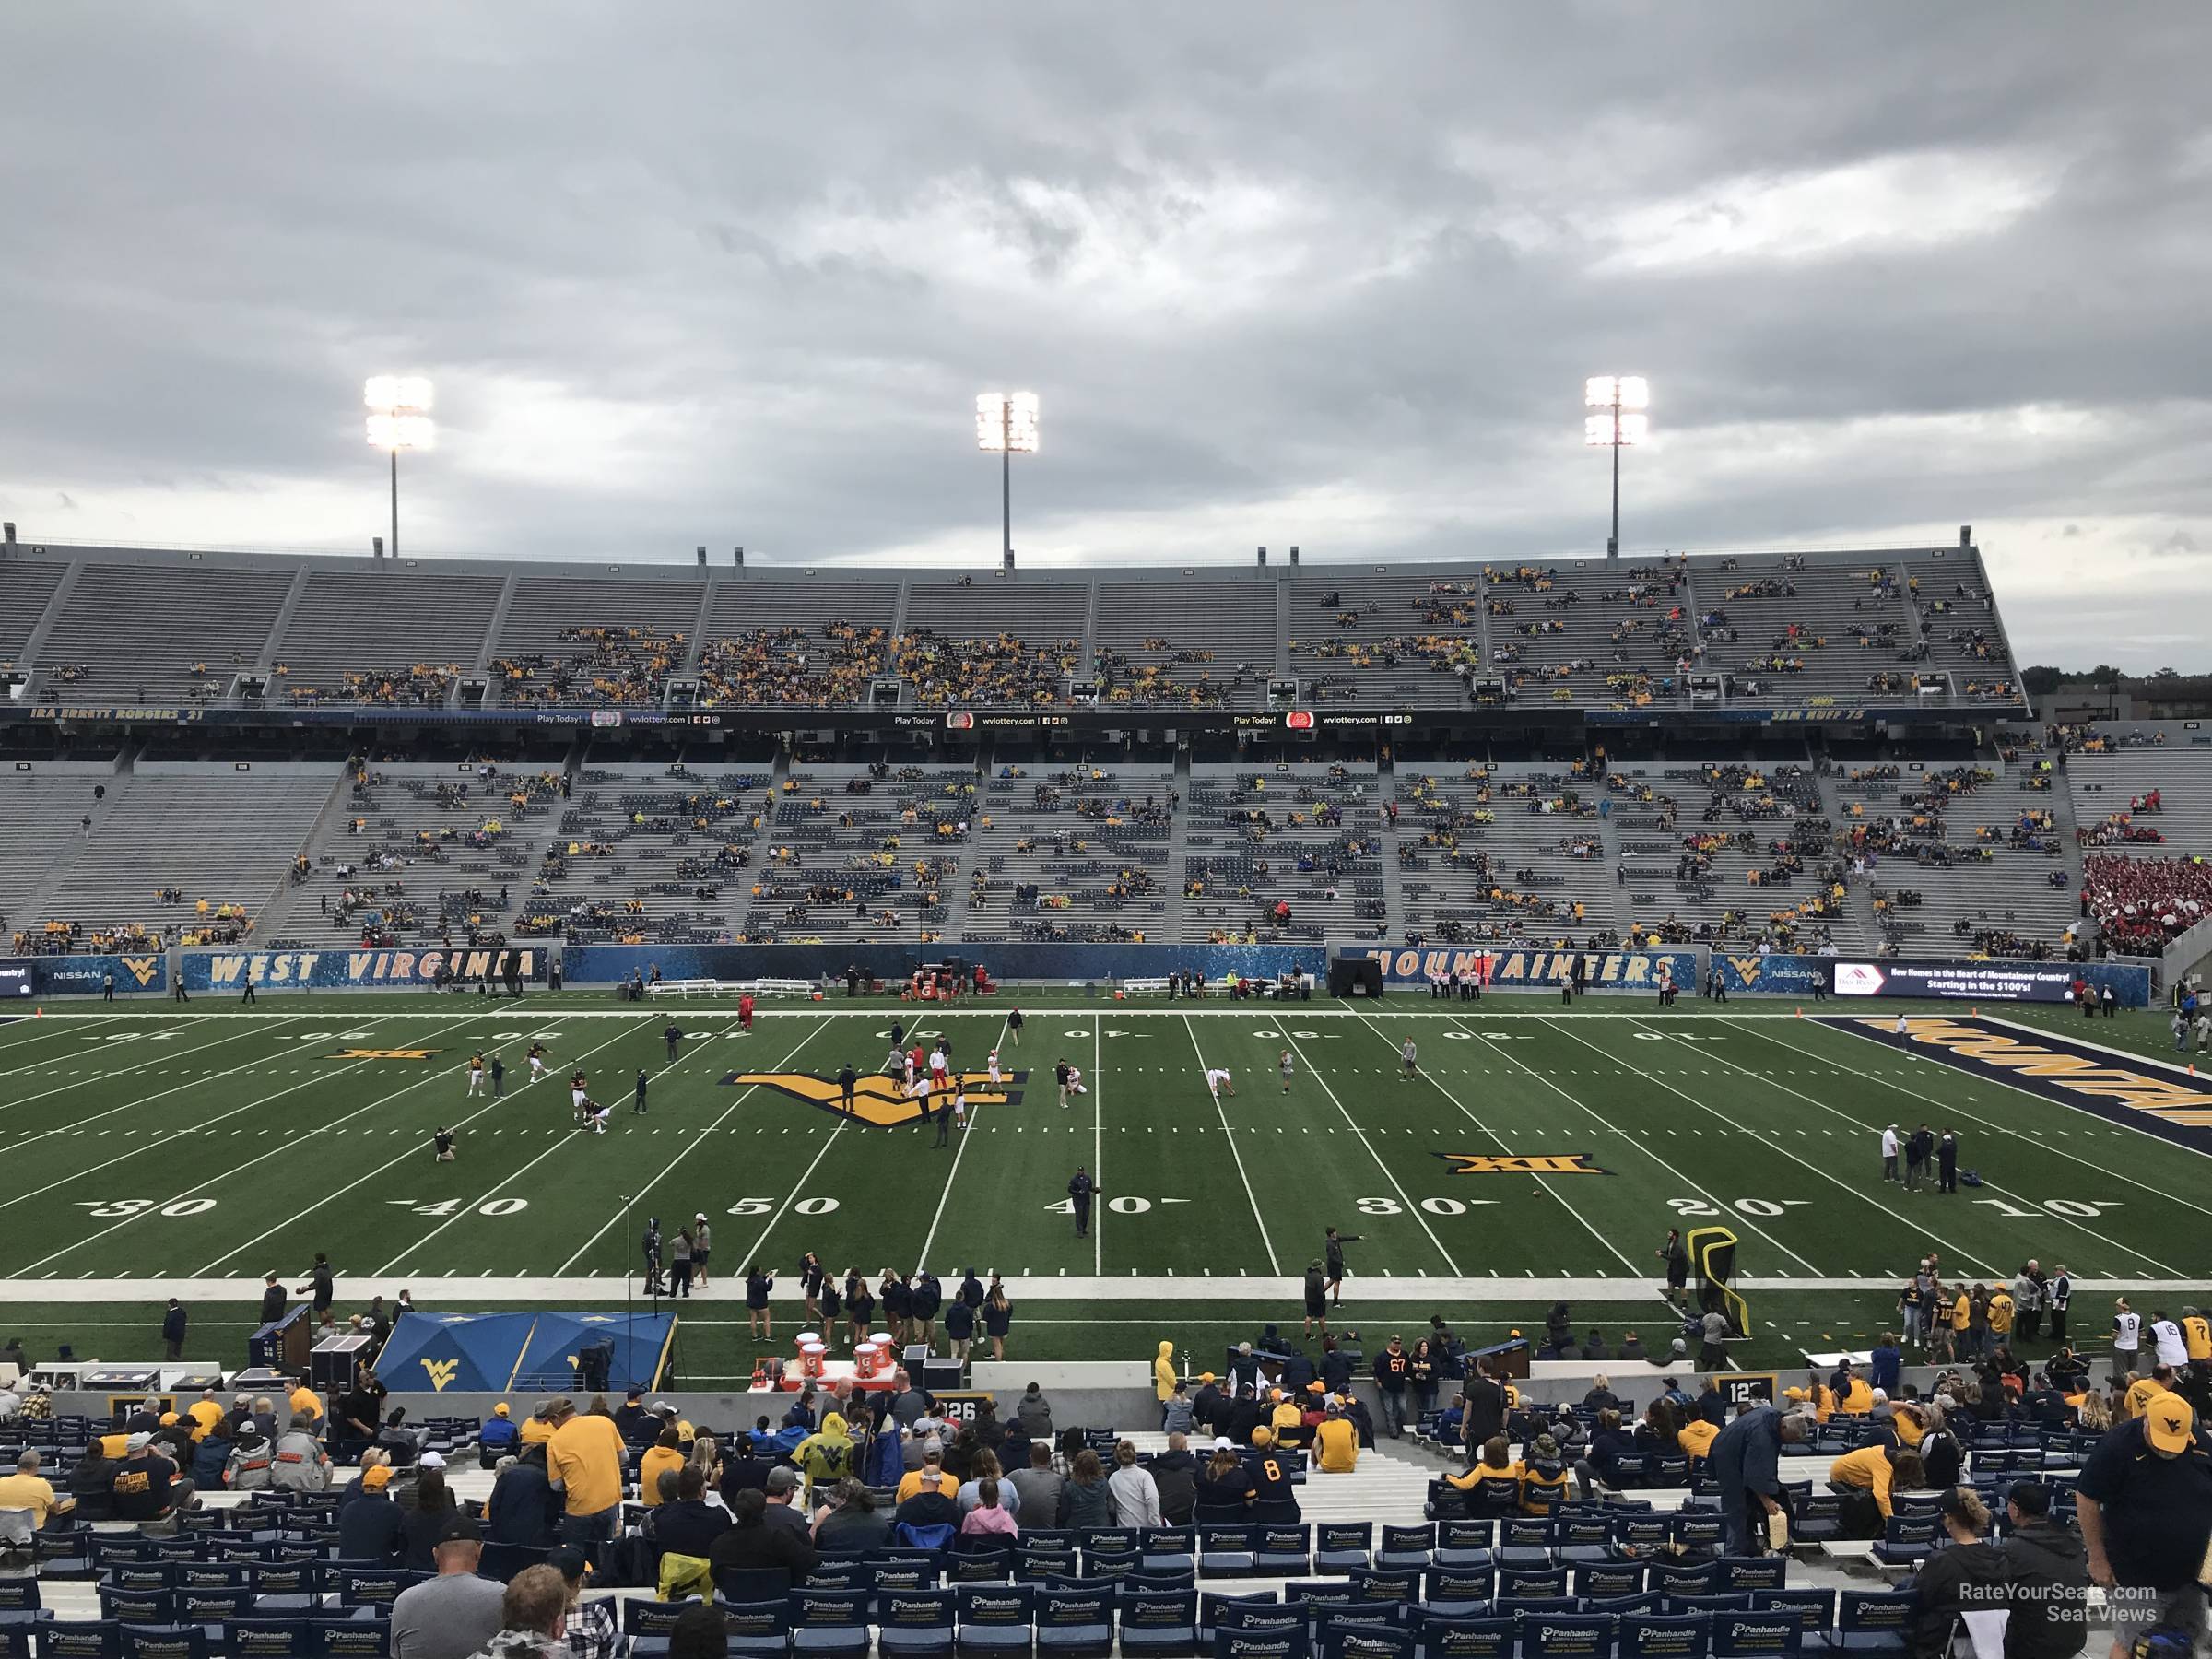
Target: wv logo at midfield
x,y
1526,1163
879,1101
441,1372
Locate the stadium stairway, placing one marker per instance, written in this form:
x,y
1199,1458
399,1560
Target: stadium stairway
x,y
1178,841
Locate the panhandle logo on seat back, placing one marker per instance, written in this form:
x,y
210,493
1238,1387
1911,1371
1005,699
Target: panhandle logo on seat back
x,y
1521,1163
877,1101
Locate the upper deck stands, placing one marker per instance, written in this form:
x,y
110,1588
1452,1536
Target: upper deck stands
x,y
818,644
398,637
149,634
1382,637
1815,630
993,646
1193,644
593,641
27,587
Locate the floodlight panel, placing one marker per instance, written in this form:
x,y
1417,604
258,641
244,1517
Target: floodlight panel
x,y
387,392
1599,391
1021,422
1635,392
1597,428
403,431
1635,429
991,421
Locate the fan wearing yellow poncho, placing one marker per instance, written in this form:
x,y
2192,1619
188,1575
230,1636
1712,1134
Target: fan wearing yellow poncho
x,y
826,1456
1163,1374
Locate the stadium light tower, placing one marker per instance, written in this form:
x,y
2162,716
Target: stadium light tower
x,y
399,418
1623,398
1006,423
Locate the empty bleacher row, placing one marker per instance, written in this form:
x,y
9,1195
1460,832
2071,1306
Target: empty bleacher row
x,y
1286,854
1076,854
862,853
1497,855
1775,630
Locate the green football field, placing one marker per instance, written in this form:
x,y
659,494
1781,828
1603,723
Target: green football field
x,y
161,1148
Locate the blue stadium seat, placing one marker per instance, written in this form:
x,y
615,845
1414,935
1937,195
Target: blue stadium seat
x,y
263,1638
1352,1639
842,1572
1034,1563
1751,1573
1567,1635
1271,1644
904,1570
1756,1635
1379,1585
996,1621
1600,1581
1464,1543
1532,1581
164,1642
828,1624
1168,1549
1282,1549
914,1624
139,1607
759,1629
1874,1621
1403,1547
1457,1637
1461,1589
1340,1545
750,1586
87,1639
1665,1636
1076,1624
1159,1623
1226,1551
216,1607
360,1635
1906,1541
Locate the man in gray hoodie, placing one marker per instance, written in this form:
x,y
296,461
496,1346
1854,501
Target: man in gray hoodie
x,y
1034,1413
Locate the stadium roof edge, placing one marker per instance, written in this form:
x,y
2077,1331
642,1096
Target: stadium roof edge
x,y
1318,568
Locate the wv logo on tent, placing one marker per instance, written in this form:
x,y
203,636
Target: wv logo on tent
x,y
441,1372
879,1101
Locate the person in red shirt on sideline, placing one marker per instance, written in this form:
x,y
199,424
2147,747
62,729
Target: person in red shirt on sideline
x,y
744,1013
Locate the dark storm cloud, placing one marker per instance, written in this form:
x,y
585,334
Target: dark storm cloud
x,y
1330,275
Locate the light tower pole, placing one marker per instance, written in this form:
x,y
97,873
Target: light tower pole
x,y
1623,398
1005,422
399,418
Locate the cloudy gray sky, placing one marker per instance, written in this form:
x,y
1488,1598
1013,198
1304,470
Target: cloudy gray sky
x,y
1280,273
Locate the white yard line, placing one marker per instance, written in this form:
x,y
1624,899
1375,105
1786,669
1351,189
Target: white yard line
x,y
1988,1185
1696,1187
35,1029
974,1119
109,1074
414,1150
148,1146
1634,1272
1359,1134
1229,1134
1952,1107
742,1096
560,1143
1097,1147
1844,1186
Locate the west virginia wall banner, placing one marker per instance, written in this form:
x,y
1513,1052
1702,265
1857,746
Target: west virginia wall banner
x,y
83,975
358,969
1505,969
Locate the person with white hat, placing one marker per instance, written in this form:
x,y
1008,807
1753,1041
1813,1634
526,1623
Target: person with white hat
x,y
701,1241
